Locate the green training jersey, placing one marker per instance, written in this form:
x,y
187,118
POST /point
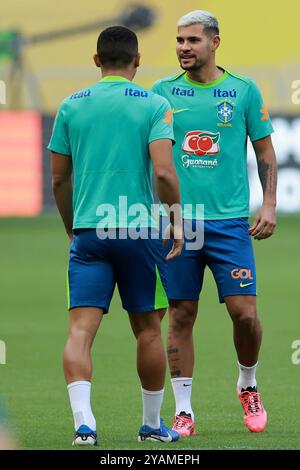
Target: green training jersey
x,y
106,130
211,124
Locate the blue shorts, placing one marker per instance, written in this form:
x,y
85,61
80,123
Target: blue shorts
x,y
227,250
137,266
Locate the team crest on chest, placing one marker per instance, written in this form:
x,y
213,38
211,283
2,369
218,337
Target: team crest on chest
x,y
225,111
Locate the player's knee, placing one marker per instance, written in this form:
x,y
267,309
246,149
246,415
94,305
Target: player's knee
x,y
244,314
242,308
81,333
149,335
182,319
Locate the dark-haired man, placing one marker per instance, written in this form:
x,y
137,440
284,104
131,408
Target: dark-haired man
x,y
108,134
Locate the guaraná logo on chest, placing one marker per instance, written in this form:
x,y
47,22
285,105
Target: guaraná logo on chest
x,y
201,143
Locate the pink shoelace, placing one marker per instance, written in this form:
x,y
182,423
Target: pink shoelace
x,y
181,421
251,402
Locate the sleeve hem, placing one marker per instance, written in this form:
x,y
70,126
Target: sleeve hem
x,y
162,137
57,150
261,136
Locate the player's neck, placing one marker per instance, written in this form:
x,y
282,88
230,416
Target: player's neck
x,y
125,73
208,73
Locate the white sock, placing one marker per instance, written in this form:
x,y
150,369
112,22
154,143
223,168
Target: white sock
x,y
246,377
80,400
182,389
152,402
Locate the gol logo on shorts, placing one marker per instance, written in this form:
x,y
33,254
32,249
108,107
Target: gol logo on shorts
x,y
241,274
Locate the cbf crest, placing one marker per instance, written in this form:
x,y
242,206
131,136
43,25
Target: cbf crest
x,y
225,111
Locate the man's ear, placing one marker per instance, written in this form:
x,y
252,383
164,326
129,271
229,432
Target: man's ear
x,y
216,42
97,60
137,60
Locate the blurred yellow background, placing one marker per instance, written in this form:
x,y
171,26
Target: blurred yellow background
x,y
259,38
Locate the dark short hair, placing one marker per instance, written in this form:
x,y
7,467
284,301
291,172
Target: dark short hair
x,y
117,46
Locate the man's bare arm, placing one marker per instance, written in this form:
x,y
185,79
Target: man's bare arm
x,y
265,221
61,166
168,189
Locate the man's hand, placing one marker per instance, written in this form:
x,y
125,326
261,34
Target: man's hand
x,y
264,223
176,234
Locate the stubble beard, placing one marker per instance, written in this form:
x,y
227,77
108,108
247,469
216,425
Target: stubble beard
x,y
199,63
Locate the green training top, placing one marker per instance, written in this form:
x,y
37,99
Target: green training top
x,y
211,125
106,129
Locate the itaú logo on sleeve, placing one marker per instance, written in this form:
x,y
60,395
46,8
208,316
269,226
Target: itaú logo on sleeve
x,y
241,274
201,143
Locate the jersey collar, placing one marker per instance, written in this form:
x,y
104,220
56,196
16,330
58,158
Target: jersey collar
x,y
114,78
209,84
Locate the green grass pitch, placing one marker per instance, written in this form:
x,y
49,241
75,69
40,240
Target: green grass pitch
x,y
34,322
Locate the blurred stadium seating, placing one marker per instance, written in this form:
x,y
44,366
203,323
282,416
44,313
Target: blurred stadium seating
x,y
260,43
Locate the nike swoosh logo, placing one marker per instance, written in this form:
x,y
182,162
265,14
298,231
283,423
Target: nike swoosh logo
x,y
187,385
167,438
245,285
175,111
